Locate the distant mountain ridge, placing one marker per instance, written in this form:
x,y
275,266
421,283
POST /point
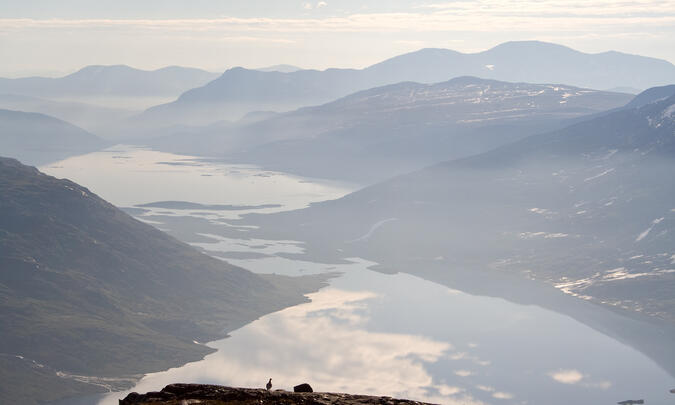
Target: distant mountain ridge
x,y
93,118
38,139
377,133
533,62
239,90
116,80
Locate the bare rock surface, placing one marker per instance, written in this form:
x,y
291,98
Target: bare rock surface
x,y
175,394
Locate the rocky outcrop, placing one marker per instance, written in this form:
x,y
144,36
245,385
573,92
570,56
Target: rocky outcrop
x,y
303,388
175,394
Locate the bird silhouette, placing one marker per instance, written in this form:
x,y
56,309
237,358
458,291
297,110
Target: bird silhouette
x,y
269,385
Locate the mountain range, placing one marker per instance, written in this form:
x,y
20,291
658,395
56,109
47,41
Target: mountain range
x,y
533,62
113,86
238,90
585,212
558,195
378,133
91,117
90,294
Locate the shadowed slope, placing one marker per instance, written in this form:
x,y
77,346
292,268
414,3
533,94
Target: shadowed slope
x,y
88,290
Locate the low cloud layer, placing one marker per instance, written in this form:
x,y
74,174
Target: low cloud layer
x,y
320,34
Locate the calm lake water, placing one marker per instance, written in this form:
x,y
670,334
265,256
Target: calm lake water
x,y
367,332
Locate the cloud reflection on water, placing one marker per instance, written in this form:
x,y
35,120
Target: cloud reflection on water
x,y
576,377
365,333
310,343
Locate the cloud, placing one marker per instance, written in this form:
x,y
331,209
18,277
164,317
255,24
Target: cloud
x,y
411,43
640,26
309,6
474,16
239,39
545,8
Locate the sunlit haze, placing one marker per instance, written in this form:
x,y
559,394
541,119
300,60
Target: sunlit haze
x,y
42,37
457,202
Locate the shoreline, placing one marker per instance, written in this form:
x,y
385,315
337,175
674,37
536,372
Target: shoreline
x,y
309,284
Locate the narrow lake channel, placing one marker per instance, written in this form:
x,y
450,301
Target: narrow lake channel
x,y
452,348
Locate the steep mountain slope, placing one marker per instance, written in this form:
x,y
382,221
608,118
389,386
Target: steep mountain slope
x,y
589,208
652,95
239,90
585,213
377,133
38,139
99,82
86,290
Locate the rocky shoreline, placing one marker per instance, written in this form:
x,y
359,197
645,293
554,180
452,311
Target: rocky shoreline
x,y
176,394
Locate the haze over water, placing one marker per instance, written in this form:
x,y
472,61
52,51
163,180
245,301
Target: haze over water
x,y
368,332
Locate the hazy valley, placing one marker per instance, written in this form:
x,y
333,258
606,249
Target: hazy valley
x,y
492,227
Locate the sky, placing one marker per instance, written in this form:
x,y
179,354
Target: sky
x,y
53,38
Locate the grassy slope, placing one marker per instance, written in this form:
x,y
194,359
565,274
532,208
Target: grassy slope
x,y
86,289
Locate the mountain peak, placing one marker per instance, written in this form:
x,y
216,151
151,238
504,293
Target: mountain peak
x,y
283,68
652,95
531,44
95,70
530,49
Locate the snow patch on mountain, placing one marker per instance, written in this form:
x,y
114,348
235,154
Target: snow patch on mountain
x,y
668,112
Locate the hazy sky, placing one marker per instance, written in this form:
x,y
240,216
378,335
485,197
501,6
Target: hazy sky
x,y
59,36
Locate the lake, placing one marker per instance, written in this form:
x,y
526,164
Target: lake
x,y
367,332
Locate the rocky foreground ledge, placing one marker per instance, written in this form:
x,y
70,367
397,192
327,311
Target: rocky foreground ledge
x,y
180,394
